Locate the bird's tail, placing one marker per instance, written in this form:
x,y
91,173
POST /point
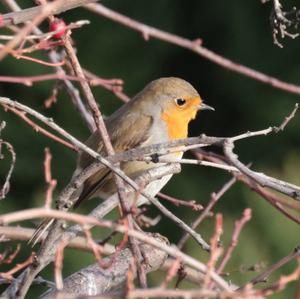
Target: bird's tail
x,y
40,231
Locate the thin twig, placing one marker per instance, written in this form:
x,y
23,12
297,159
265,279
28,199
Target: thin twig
x,y
265,275
213,200
238,226
6,185
39,129
58,266
48,178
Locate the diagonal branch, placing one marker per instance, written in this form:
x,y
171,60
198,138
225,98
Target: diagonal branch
x,y
193,45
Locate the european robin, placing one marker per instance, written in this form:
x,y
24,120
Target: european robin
x,y
161,112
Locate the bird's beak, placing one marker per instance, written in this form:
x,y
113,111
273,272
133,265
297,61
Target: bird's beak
x,y
203,106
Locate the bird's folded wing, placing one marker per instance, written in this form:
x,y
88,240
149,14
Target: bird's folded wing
x,y
124,136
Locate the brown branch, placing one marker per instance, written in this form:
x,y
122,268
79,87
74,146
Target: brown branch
x,y
43,12
238,226
39,129
87,220
48,178
28,80
113,85
213,200
215,252
28,14
270,197
58,264
265,275
193,45
9,274
11,257
179,202
24,234
68,85
100,125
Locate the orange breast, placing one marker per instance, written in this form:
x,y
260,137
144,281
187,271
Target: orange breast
x,y
177,121
177,126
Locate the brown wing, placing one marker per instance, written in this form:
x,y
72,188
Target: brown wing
x,y
126,133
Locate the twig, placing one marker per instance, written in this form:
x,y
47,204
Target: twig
x,y
171,272
216,250
39,129
70,88
280,23
48,178
265,275
178,202
9,274
43,12
28,80
238,226
287,119
282,282
286,188
213,200
11,257
113,85
58,266
6,185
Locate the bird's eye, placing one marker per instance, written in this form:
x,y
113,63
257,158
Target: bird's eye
x,y
180,102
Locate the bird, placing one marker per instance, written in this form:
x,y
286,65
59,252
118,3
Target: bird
x,y
161,112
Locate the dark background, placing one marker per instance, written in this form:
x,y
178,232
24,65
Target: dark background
x,y
238,30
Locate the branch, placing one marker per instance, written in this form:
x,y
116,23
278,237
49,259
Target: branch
x,y
94,280
24,234
105,162
194,46
265,275
88,220
6,185
238,226
15,18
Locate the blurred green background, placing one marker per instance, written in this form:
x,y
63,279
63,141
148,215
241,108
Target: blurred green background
x,y
238,30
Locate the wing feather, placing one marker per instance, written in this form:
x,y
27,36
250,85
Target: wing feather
x,y
125,134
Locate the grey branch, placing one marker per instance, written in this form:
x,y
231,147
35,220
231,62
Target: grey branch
x,y
28,14
94,280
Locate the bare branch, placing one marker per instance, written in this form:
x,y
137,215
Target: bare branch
x,y
6,185
94,280
195,46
